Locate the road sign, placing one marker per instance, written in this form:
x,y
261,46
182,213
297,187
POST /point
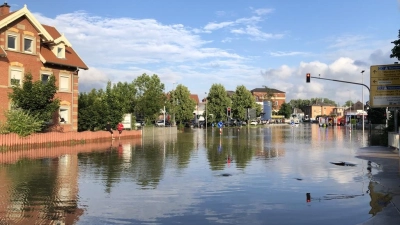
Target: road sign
x,y
385,86
220,124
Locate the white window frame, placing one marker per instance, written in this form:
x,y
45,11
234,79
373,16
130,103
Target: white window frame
x,y
64,77
15,41
60,52
11,76
64,112
276,103
32,44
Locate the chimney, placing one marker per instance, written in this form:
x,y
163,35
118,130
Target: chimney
x,y
4,9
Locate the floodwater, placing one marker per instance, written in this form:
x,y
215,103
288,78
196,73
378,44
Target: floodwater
x,y
263,175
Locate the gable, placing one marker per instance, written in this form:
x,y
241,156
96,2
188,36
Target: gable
x,y
25,12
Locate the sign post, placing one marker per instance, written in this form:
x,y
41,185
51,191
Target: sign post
x,y
385,86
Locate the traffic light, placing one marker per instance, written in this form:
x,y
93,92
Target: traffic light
x,y
308,77
228,111
308,197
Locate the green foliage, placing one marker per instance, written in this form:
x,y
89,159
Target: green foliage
x,y
96,108
22,123
150,97
217,102
269,96
396,48
300,103
36,98
183,105
322,100
377,115
241,100
285,110
348,103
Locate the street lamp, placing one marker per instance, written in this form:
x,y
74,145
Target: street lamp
x,y
173,103
206,109
362,99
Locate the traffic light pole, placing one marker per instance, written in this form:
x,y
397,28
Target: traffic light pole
x,y
342,81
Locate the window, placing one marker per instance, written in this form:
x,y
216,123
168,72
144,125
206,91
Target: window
x,y
60,52
15,77
28,45
12,42
64,114
64,83
276,102
45,78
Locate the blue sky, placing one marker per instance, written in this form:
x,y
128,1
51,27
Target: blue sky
x,y
229,42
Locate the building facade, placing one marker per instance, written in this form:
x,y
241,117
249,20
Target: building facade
x,y
277,99
27,46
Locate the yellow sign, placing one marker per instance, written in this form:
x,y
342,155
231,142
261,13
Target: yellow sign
x,y
385,85
392,70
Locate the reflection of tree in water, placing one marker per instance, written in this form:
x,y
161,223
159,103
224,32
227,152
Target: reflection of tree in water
x,y
184,147
378,200
35,191
106,164
217,153
147,165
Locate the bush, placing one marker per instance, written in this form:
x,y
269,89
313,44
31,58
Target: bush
x,y
22,123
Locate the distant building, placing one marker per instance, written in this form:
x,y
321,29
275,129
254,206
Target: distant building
x,y
278,98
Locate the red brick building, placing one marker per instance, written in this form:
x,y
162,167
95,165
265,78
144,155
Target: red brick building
x,y
278,98
26,46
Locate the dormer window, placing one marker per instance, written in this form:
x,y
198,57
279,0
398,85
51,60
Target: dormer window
x,y
60,52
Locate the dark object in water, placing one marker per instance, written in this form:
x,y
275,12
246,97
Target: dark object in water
x,y
226,174
343,164
298,178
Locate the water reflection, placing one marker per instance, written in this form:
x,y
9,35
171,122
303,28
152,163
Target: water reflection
x,y
246,175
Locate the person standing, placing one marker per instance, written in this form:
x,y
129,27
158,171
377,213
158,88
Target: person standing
x,y
120,127
109,129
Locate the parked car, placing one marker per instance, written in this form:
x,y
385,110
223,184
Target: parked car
x,y
254,122
160,123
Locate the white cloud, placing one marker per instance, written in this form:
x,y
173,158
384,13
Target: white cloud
x,y
255,33
346,41
280,53
263,11
120,41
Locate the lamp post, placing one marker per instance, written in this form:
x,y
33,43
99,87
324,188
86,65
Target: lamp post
x,y
173,103
206,109
362,99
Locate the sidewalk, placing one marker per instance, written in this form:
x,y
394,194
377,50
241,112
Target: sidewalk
x,y
386,182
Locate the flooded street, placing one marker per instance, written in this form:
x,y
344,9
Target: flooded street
x,y
243,176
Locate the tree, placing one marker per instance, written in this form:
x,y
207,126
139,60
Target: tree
x,y
242,99
348,103
285,110
217,102
150,97
269,96
37,98
300,103
183,104
396,48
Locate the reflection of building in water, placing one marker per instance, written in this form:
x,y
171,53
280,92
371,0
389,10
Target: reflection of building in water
x,y
272,140
37,195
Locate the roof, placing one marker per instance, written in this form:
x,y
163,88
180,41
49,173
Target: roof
x,y
230,93
265,91
50,35
71,58
195,98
